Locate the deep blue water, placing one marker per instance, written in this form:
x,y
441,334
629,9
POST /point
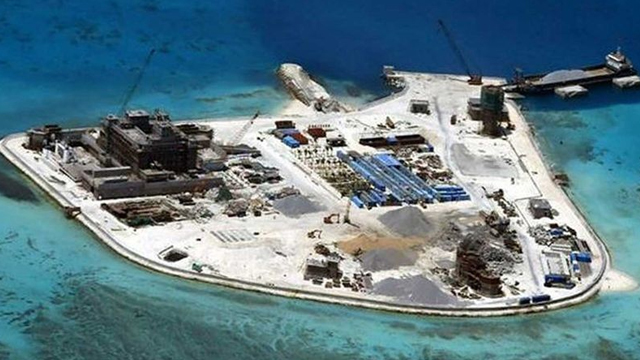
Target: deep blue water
x,y
65,296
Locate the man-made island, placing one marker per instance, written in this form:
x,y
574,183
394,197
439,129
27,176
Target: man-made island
x,y
432,200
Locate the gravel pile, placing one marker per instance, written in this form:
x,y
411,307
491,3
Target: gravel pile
x,y
415,290
296,205
387,259
407,221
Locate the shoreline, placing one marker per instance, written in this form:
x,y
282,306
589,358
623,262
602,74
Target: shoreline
x,y
298,293
613,280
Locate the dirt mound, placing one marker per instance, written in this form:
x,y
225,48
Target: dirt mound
x,y
364,243
407,221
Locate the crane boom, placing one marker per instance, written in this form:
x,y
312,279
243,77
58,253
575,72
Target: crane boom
x,y
474,79
135,84
243,130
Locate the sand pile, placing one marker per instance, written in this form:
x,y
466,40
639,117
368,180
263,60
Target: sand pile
x,y
407,221
364,242
296,205
387,259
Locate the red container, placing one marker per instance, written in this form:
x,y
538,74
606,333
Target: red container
x,y
317,132
300,138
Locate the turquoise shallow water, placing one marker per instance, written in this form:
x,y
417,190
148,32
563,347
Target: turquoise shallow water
x,y
65,296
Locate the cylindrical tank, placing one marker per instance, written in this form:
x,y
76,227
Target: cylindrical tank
x,y
492,98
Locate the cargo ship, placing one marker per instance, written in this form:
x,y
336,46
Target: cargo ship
x,y
616,65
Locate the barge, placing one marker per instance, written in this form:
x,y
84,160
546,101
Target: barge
x,y
616,65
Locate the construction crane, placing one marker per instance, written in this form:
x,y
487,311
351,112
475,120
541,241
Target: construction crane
x,y
243,130
137,81
474,79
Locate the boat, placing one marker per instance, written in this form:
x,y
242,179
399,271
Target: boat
x,y
616,65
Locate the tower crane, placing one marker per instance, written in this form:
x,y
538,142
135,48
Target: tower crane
x,y
474,79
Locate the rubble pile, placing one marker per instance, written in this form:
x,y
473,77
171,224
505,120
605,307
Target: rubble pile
x,y
283,193
141,213
200,213
508,208
499,260
559,237
431,167
480,263
323,264
238,207
500,229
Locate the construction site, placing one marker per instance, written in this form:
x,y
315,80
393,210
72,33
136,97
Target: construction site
x,y
429,198
434,199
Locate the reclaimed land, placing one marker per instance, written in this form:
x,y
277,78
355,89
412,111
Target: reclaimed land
x,y
449,94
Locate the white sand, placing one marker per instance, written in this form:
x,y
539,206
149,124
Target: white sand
x,y
617,281
296,108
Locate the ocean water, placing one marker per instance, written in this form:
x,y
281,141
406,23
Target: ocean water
x,y
65,296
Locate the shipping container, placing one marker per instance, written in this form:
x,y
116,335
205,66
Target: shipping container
x,y
556,232
289,131
555,279
374,142
357,202
540,298
368,201
317,132
284,124
343,156
414,139
583,257
576,268
524,301
388,159
300,138
290,142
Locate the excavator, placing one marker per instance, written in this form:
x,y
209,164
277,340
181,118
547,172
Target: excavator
x,y
474,79
332,219
335,218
